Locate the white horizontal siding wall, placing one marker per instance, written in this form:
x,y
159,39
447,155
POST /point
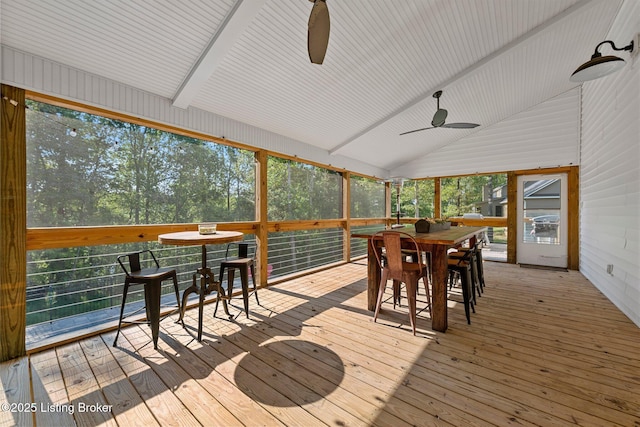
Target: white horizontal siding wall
x,y
610,174
41,75
546,135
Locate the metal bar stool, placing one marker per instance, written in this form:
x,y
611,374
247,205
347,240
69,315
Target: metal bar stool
x,y
477,270
462,267
244,264
151,278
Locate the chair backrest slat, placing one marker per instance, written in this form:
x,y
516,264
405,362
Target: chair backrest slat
x,y
134,261
392,241
394,254
243,250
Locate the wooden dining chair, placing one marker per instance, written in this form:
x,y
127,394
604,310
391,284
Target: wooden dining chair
x,y
398,269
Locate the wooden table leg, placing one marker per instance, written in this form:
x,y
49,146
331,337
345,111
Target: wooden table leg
x,y
439,272
373,277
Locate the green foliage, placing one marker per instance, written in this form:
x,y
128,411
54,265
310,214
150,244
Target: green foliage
x,y
416,198
460,195
367,198
115,172
298,191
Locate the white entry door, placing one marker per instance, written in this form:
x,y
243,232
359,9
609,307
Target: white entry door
x,y
542,220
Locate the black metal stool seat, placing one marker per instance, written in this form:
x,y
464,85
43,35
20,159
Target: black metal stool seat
x,y
151,278
245,265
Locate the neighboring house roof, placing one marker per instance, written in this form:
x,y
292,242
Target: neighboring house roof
x,y
541,189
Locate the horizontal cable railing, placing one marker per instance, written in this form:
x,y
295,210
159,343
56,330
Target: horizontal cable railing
x,y
358,245
75,290
295,251
67,294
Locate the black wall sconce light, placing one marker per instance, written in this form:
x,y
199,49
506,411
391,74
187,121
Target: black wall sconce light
x,y
600,66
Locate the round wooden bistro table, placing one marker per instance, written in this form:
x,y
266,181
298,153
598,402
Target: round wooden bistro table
x,y
207,282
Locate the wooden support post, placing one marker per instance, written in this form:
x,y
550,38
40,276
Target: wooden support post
x,y
387,202
573,219
13,223
346,214
262,232
437,207
512,217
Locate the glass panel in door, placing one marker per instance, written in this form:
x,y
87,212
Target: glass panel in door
x,y
542,218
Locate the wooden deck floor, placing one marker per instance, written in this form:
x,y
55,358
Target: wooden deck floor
x,y
545,348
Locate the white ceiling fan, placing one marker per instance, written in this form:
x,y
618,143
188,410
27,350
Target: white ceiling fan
x,y
439,119
318,35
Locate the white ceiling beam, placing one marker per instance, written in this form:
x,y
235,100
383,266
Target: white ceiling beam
x,y
230,30
469,70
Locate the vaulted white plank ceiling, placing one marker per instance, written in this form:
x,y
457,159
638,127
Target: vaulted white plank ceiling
x,y
247,60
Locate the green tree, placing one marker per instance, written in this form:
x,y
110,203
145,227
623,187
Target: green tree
x,y
416,198
297,191
460,195
367,198
67,166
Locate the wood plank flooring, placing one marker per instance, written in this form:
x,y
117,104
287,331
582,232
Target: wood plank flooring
x,y
545,348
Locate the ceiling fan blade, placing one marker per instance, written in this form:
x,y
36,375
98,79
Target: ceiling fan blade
x,y
318,35
417,130
460,125
440,116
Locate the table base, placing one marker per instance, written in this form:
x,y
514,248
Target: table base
x,y
207,285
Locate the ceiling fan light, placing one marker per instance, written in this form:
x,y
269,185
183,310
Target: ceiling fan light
x,y
598,66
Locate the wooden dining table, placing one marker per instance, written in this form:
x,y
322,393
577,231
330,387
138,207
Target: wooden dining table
x,y
207,282
436,243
